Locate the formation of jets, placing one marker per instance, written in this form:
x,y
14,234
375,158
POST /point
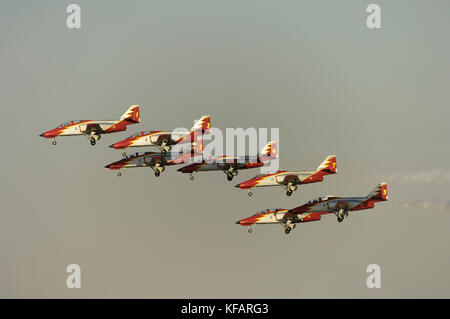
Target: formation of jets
x,y
191,141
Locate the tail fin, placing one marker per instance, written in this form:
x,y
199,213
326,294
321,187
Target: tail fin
x,y
328,165
200,127
379,193
270,151
189,152
131,115
197,146
203,124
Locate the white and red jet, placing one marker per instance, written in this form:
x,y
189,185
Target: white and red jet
x,y
290,179
313,210
231,165
164,140
94,129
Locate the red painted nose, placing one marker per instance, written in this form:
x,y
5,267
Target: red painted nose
x,y
113,166
49,134
188,169
244,222
243,185
119,145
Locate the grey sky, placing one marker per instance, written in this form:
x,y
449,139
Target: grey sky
x,y
378,99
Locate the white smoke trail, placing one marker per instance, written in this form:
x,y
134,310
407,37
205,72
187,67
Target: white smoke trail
x,y
425,177
436,205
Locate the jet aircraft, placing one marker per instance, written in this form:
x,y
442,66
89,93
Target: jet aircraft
x,y
164,140
231,165
290,179
313,210
156,160
94,129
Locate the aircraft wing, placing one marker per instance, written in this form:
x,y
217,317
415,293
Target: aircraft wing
x,y
164,138
290,215
303,218
92,127
155,159
293,179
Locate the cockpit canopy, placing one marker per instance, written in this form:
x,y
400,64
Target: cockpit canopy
x,y
320,199
140,134
70,123
268,210
269,173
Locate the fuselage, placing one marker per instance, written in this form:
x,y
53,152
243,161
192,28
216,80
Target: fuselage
x,y
150,138
80,127
311,211
289,179
279,177
150,159
223,163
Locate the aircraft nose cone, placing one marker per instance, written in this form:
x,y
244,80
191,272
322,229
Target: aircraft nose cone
x,y
238,185
107,166
112,146
49,134
238,222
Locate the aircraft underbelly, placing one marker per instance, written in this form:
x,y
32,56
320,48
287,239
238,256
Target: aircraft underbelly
x,y
218,166
347,204
208,167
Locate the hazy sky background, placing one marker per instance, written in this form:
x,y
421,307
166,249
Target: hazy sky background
x,y
378,99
